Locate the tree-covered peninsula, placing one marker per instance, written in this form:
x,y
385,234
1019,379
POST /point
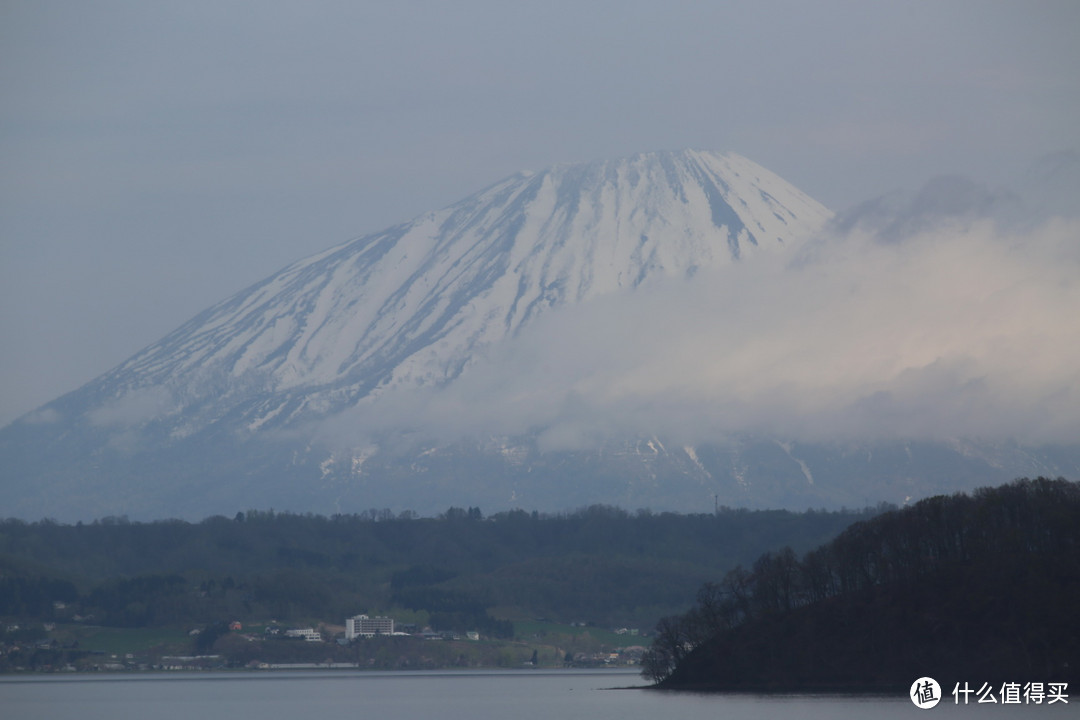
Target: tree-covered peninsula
x,y
964,589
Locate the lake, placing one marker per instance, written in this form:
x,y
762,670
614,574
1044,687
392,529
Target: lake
x,y
477,695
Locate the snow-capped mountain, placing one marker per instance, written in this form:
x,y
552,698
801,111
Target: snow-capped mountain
x,y
218,416
411,305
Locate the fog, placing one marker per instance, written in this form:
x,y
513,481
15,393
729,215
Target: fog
x,y
909,322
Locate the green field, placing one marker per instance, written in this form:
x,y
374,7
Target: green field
x,y
595,638
118,641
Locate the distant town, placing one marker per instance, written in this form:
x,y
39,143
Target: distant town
x,y
362,642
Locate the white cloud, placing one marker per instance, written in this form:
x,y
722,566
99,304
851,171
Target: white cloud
x,y
966,330
42,416
133,408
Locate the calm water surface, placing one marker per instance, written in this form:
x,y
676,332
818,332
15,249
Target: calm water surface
x,y
477,695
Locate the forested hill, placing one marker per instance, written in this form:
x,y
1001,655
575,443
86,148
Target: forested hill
x,y
600,565
979,589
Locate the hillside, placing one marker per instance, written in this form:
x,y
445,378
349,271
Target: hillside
x,y
980,588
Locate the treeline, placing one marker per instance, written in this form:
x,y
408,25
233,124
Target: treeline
x,y
598,564
453,610
33,596
987,583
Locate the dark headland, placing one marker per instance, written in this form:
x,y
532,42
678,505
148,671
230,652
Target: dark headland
x,y
964,589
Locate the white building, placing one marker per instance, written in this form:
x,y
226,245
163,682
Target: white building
x,y
364,626
309,634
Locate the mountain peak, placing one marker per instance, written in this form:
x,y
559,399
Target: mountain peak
x,y
411,304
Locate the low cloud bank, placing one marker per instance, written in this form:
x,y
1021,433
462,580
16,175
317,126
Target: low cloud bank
x,y
964,327
133,408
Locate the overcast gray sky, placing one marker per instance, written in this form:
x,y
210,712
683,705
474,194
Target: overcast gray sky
x,y
156,157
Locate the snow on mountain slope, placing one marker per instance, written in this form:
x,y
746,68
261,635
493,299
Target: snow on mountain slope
x,y
411,306
589,329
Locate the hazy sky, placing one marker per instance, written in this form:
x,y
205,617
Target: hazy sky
x,y
156,157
